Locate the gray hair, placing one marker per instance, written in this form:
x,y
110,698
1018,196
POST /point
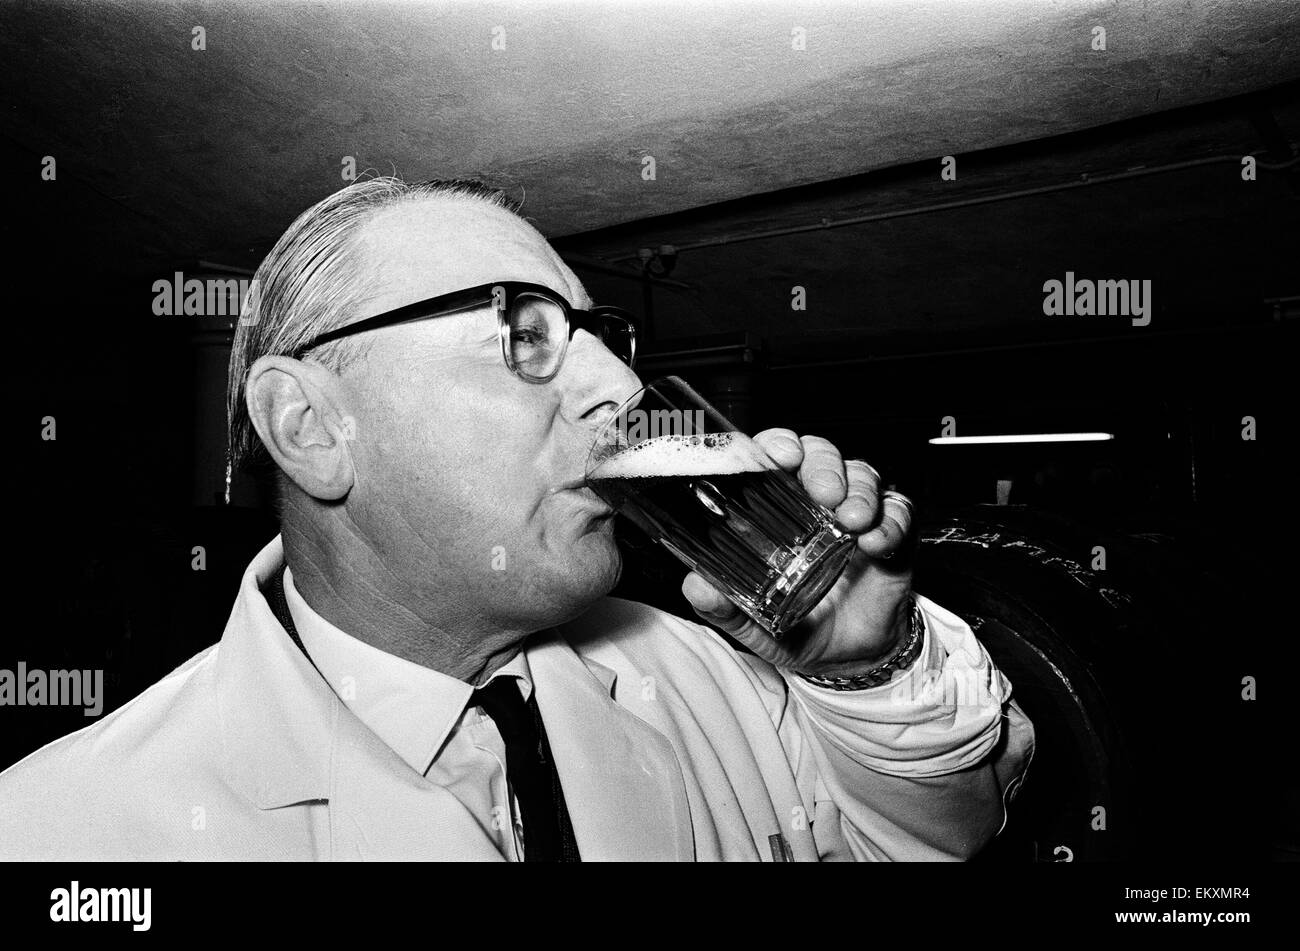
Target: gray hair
x,y
312,281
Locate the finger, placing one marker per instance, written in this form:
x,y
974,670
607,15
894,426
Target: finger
x,y
857,512
822,472
718,611
783,446
710,603
895,525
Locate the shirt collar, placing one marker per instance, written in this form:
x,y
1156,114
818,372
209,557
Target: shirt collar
x,y
411,708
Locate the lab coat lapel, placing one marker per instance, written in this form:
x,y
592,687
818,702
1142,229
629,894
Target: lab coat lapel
x,y
276,712
288,740
382,810
621,779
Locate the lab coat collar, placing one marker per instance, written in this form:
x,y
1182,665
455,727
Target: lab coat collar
x,y
288,739
274,707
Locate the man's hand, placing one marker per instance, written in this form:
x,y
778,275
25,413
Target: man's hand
x,y
865,615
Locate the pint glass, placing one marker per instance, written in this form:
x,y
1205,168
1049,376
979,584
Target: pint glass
x,y
676,468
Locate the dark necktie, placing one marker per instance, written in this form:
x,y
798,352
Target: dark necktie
x,y
530,769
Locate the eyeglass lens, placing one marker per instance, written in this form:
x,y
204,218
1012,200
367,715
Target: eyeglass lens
x,y
537,335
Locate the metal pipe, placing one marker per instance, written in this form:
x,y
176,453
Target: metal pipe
x,y
604,267
648,309
1030,345
1087,180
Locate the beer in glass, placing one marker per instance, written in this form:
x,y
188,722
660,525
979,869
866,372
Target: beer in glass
x,y
679,470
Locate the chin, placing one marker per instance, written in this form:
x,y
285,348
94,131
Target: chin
x,y
597,563
585,573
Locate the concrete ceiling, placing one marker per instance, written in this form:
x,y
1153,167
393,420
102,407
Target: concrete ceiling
x,y
179,153
936,265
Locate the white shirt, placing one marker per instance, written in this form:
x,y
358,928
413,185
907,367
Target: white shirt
x,y
423,716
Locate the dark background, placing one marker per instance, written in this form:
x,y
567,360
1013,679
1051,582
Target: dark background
x,y
930,308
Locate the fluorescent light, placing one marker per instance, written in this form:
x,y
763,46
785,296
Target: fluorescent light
x,y
1015,438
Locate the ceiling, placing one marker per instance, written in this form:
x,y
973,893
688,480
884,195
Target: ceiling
x,y
167,154
941,265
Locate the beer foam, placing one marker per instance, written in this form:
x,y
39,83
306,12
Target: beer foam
x,y
701,454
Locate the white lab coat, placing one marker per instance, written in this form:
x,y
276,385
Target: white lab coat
x,y
669,744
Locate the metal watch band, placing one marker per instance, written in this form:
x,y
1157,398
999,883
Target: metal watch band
x,y
882,673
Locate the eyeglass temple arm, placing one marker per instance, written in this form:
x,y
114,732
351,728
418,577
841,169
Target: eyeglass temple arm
x,y
443,306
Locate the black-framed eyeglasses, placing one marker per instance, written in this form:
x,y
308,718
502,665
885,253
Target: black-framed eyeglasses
x,y
535,325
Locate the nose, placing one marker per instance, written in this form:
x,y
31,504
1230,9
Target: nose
x,y
594,382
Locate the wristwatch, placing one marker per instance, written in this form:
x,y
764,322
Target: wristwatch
x,y
882,673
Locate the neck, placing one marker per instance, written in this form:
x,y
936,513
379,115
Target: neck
x,y
341,577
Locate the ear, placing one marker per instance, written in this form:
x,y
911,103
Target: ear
x,y
293,408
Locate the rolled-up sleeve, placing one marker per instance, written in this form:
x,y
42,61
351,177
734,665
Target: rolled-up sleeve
x,y
921,768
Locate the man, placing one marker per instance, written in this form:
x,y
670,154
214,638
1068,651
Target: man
x,y
436,538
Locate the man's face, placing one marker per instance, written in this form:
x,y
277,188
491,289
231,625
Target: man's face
x,y
467,477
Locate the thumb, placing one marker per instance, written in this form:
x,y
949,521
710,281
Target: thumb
x,y
717,609
712,605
